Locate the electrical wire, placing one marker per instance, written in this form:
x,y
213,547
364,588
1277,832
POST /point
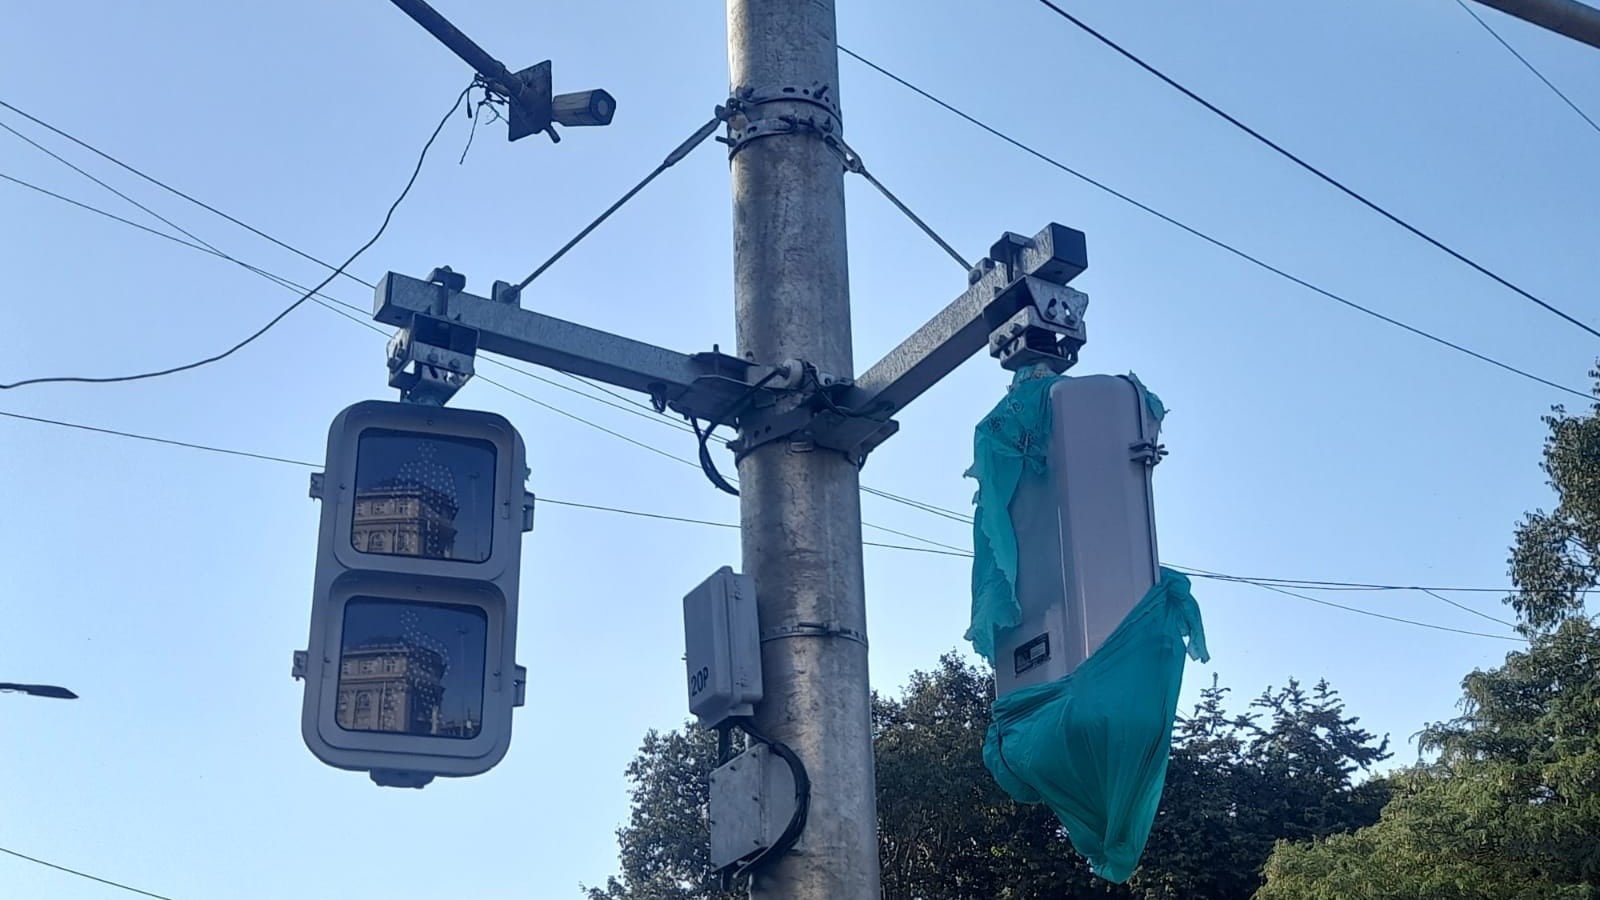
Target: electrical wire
x,y
106,881
1520,58
1378,615
1348,191
334,305
915,504
175,191
616,510
940,511
1462,606
1195,232
638,410
626,404
707,464
159,440
1311,584
86,174
736,406
217,357
802,797
673,158
1267,584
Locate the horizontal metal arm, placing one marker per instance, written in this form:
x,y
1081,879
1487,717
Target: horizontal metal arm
x,y
949,339
1056,255
691,383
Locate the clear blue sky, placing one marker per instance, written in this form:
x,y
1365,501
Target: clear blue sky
x,y
169,587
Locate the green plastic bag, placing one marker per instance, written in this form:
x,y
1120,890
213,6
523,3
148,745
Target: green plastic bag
x,y
1092,745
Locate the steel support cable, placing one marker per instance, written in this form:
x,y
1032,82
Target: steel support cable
x,y
855,165
672,159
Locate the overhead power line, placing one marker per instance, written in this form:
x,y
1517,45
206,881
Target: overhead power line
x,y
1377,615
1531,68
198,244
332,303
172,190
1568,18
217,357
1196,232
1341,186
345,309
106,881
1462,606
1310,584
938,549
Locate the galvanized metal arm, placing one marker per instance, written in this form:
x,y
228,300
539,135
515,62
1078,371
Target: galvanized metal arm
x,y
1017,304
443,327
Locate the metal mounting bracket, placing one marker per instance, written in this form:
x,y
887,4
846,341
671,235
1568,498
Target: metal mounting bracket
x,y
819,420
441,324
1016,302
1046,328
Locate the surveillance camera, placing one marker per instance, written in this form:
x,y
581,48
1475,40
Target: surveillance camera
x,y
583,108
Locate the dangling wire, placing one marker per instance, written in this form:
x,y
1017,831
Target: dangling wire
x,y
489,100
709,466
802,797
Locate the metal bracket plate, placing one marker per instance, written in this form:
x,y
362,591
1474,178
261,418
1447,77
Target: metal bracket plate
x,y
431,358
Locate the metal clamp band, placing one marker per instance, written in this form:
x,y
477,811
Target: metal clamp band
x,y
756,129
811,629
816,95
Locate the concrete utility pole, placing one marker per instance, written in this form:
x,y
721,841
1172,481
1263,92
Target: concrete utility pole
x,y
806,424
800,507
1565,17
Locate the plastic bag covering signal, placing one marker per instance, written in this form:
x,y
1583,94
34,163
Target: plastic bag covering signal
x,y
1094,744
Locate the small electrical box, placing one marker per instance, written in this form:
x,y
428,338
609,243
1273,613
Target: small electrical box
x,y
722,642
753,800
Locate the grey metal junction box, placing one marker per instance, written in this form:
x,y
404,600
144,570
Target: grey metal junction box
x,y
722,644
752,801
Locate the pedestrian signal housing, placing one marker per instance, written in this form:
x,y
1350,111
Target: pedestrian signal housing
x,y
410,671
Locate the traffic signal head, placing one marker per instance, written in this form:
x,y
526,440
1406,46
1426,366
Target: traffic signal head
x,y
1085,529
410,671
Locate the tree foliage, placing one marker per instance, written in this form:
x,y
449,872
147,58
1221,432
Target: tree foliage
x,y
1286,768
1509,809
1555,554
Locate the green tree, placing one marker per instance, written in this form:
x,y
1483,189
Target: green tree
x,y
1555,555
665,849
1235,786
1509,807
947,831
